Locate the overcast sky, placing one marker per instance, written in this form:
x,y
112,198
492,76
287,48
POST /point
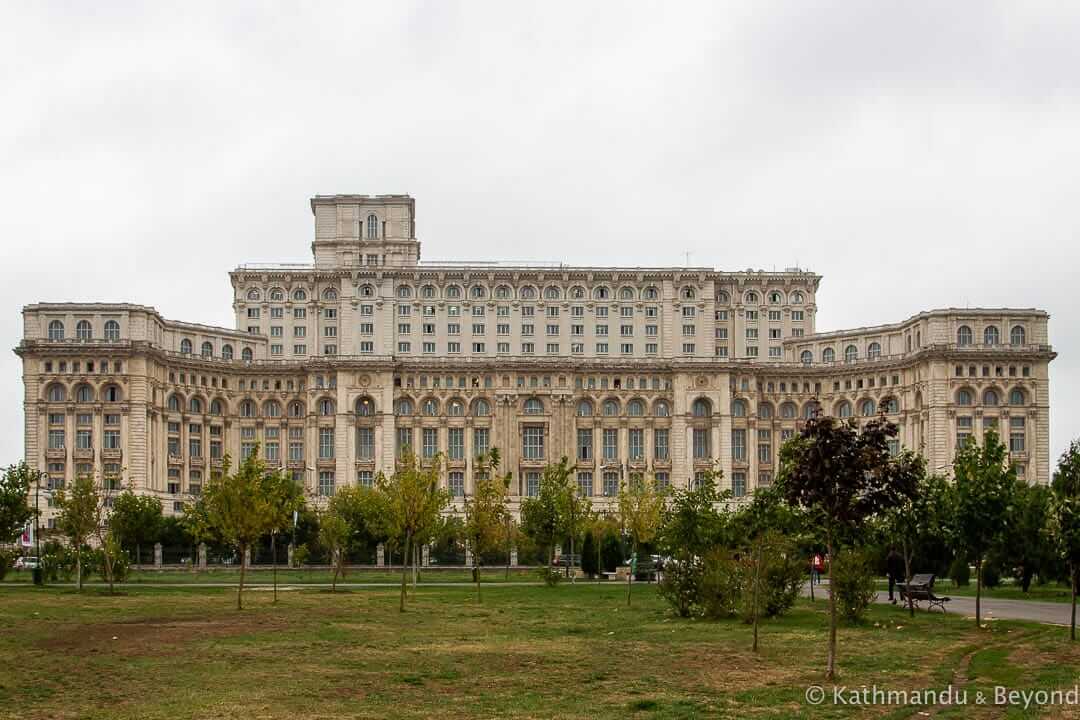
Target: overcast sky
x,y
918,155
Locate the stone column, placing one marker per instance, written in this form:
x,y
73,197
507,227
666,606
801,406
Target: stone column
x,y
380,556
513,556
468,556
202,556
291,549
247,557
425,556
157,555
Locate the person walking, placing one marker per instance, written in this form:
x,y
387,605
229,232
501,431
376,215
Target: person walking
x,y
894,567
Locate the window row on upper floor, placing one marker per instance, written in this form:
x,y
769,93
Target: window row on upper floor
x,y
991,397
769,297
851,354
84,330
991,335
207,350
83,393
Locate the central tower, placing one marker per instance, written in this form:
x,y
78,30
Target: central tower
x,y
353,230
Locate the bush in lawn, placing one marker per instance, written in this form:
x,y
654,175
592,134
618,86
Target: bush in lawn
x,y
853,577
611,552
722,581
991,576
681,585
782,575
551,576
7,560
960,572
590,562
121,563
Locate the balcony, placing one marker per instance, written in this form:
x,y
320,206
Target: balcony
x,y
84,453
176,459
56,453
111,453
196,461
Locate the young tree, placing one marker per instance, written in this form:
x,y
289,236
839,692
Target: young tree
x,y
1024,547
334,537
413,503
641,506
134,520
284,497
919,520
692,524
543,517
15,510
844,476
235,507
80,516
590,555
486,511
1065,518
985,484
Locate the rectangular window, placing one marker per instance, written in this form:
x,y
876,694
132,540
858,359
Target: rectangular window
x,y
764,448
272,451
455,443
110,440
478,329
533,442
503,347
365,443
532,484
326,443
660,444
365,478
527,329
1017,435
585,444
195,447
481,441
738,484
751,333
528,348
326,483
83,439
738,445
584,483
56,439
963,430
601,348
456,484
797,315
611,444
663,481
611,484
626,348
636,437
404,310
429,444
764,478
701,444
689,348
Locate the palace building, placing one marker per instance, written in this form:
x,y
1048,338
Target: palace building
x,y
335,366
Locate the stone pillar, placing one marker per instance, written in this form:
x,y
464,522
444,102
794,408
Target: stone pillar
x,y
202,556
247,557
157,555
468,556
513,556
380,556
425,556
291,549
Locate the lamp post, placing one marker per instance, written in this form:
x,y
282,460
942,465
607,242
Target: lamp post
x,y
39,574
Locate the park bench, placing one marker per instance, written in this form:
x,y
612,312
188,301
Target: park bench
x,y
921,589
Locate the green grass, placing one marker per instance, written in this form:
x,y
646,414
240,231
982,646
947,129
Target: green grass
x,y
530,652
288,576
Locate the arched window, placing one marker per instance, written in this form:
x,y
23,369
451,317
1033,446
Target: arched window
x,y
365,407
299,295
56,330
890,406
57,393
277,295
481,408
796,298
427,292
247,355
430,407
253,294
455,408
635,408
651,293
851,353
404,291
367,291
661,409
453,292
112,330
990,397
866,408
701,408
751,298
873,351
963,335
964,397
533,406
195,405
329,294
84,394
1017,335
112,394
404,407
503,292
610,407
828,355
271,409
811,409
247,408
185,346
738,408
807,357
584,409
175,403
372,227
478,292
227,352
775,298
215,407
577,293
688,293
326,407
552,293
296,409
601,293
843,409
207,349
764,411
1016,397
722,297
788,411
83,331
626,293
991,335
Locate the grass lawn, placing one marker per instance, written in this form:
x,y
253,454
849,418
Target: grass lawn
x,y
565,652
287,576
1008,590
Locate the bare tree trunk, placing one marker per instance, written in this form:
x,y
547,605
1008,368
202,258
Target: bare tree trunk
x,y
336,559
404,570
812,578
273,557
978,591
415,553
630,578
757,585
240,587
907,581
78,566
1075,576
830,665
573,574
138,556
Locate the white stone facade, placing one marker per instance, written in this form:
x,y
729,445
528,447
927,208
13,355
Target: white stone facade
x,y
334,365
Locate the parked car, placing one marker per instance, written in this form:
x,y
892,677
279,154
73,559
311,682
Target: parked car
x,y
649,568
28,562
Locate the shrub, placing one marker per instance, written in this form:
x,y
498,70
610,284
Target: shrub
x,y
121,564
782,579
991,576
722,580
681,585
611,552
551,576
960,573
7,560
853,583
590,563
300,556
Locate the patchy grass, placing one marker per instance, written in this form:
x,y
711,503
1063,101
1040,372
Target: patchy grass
x,y
531,652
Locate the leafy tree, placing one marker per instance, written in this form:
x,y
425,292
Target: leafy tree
x,y
1024,547
844,476
576,511
135,519
334,536
413,503
920,520
544,517
691,523
985,484
237,507
15,510
641,508
590,555
1065,518
486,511
283,498
80,516
611,554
